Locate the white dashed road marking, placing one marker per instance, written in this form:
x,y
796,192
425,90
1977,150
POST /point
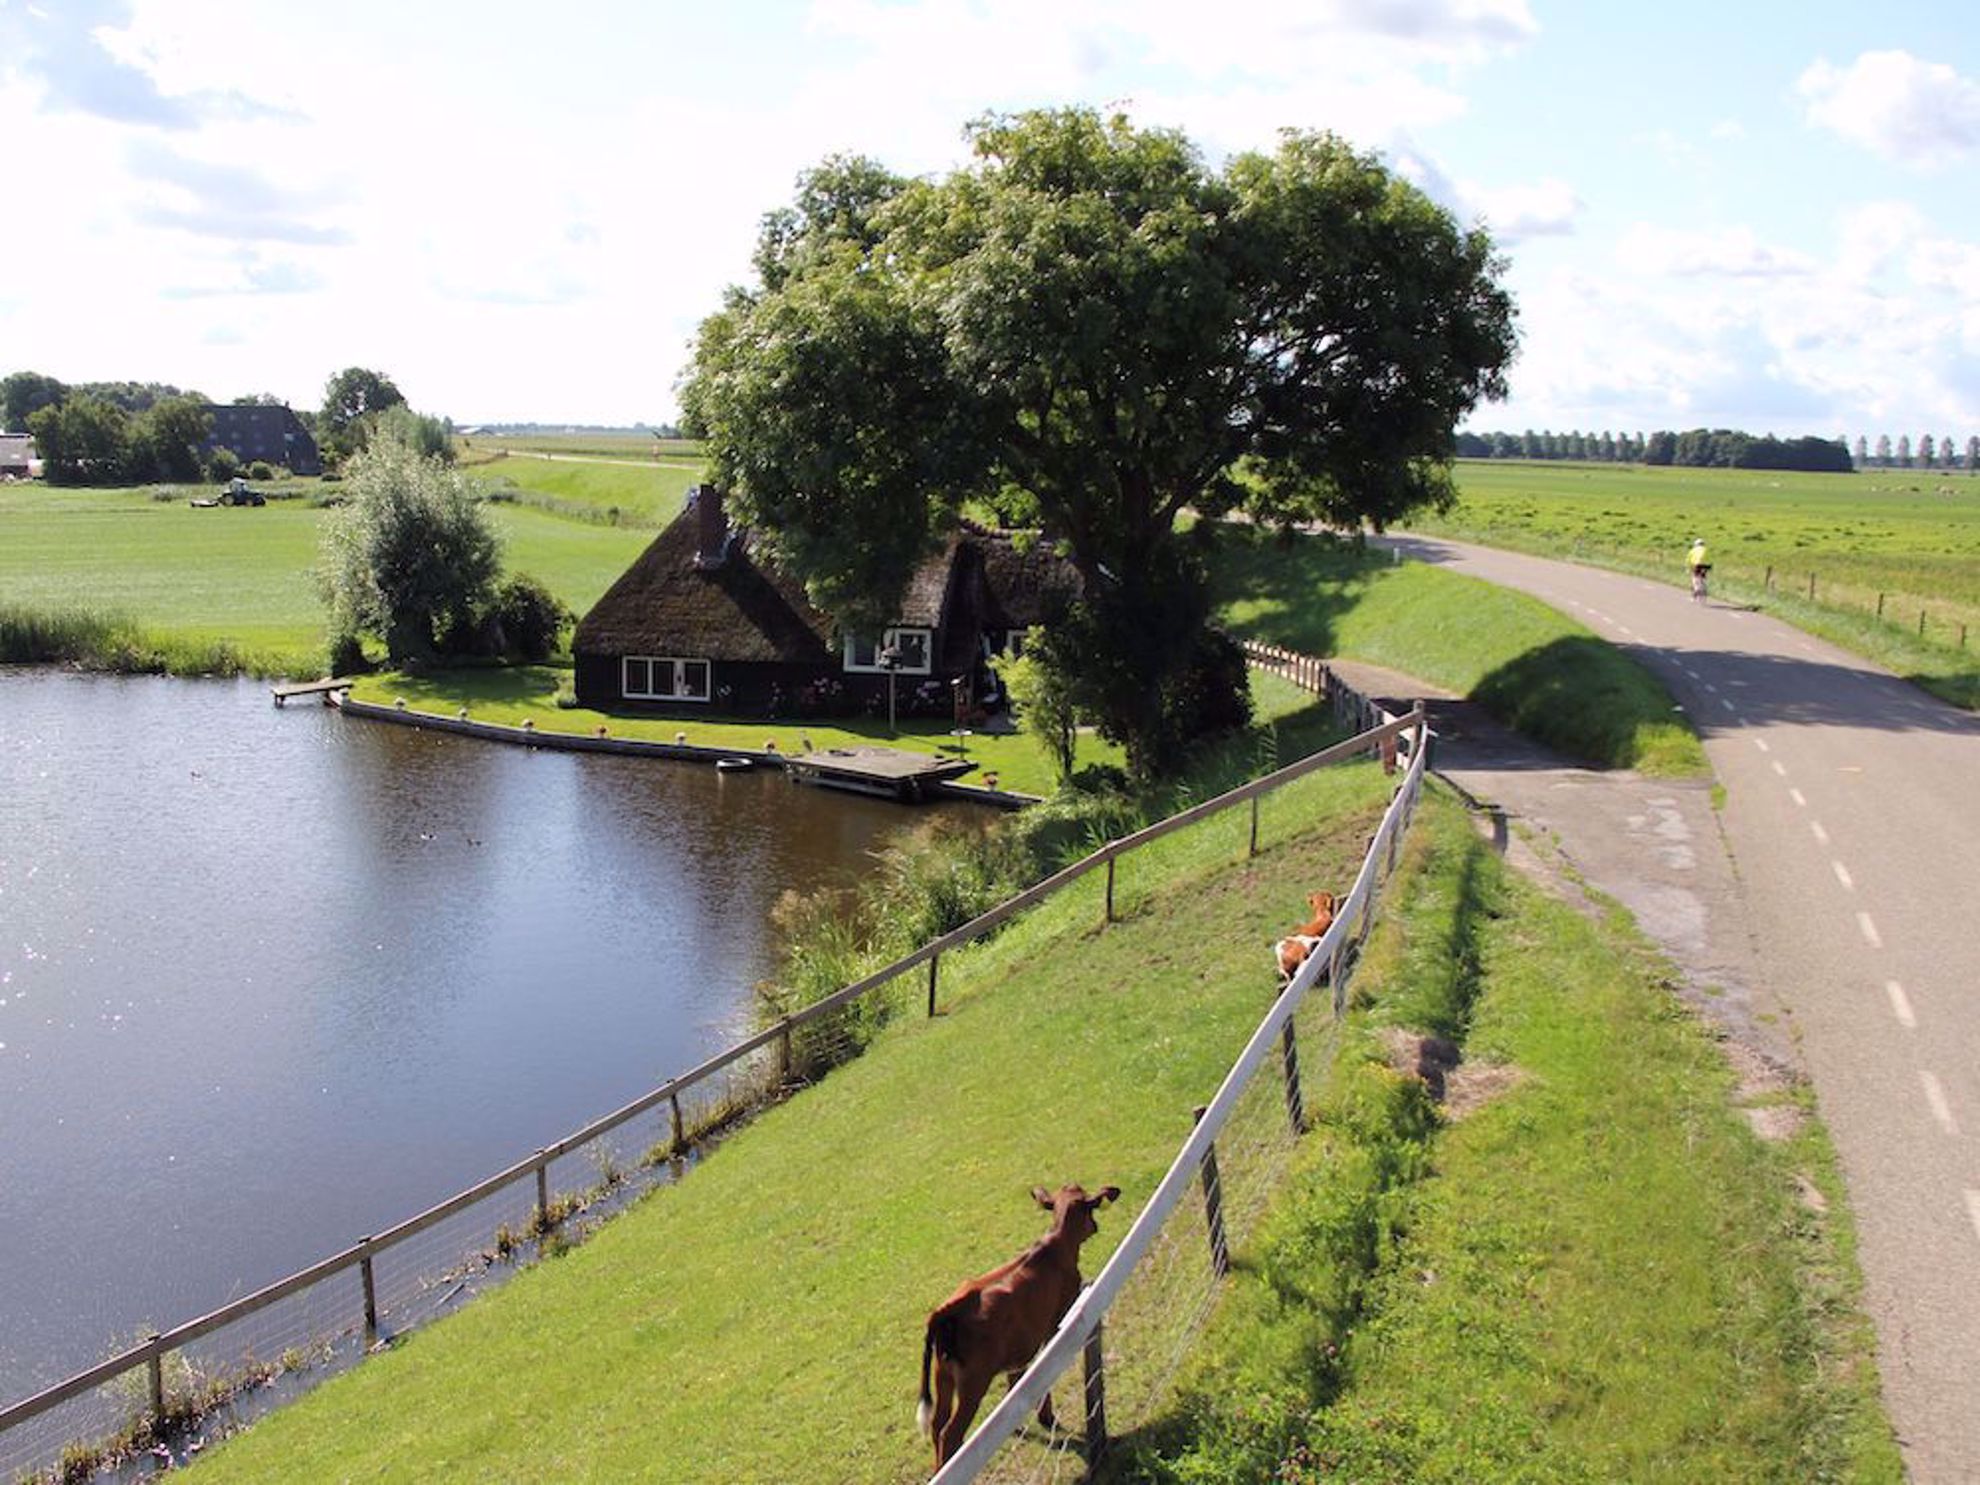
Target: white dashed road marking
x,y
1973,1209
1936,1097
1725,703
1869,930
1761,744
1798,797
1843,876
1900,1005
1778,768
1821,835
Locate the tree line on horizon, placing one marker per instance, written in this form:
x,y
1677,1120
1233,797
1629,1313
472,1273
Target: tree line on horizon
x,y
129,432
1724,448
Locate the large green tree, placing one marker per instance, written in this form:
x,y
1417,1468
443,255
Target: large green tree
x,y
351,400
1091,330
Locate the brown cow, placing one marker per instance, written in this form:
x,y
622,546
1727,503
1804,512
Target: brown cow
x,y
1292,950
996,1323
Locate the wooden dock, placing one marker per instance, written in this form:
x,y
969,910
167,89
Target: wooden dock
x,y
888,772
323,687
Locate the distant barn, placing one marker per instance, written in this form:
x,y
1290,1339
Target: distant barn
x,y
17,460
699,622
257,431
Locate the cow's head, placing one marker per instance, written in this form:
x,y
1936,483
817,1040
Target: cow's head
x,y
1322,904
1072,1209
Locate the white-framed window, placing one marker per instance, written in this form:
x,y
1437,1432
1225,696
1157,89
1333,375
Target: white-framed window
x,y
1014,642
660,678
913,647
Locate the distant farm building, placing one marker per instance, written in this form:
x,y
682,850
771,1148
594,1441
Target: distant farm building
x,y
17,460
257,431
699,622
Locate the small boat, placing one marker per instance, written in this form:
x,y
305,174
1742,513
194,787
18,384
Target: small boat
x,y
734,765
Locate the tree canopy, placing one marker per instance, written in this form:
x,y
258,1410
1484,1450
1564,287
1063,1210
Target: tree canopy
x,y
1091,331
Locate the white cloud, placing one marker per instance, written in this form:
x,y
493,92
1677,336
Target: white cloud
x,y
1544,208
1730,252
1905,109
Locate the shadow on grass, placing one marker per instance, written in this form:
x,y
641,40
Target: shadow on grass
x,y
1289,591
1580,696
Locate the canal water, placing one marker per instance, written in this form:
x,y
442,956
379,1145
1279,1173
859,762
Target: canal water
x,y
273,979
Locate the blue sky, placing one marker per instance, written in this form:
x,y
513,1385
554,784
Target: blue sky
x,y
1760,215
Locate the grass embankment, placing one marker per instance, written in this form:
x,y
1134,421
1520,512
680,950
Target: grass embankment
x,y
590,488
1600,1274
763,1320
1907,541
1530,665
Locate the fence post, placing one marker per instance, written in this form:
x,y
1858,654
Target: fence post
x,y
1252,849
1767,583
784,1052
1811,587
1962,636
1921,623
680,1132
542,1191
370,1293
156,1366
1336,979
1880,605
1295,1104
1096,1397
1110,889
934,966
1213,1206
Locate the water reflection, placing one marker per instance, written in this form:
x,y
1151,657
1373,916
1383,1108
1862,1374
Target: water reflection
x,y
271,979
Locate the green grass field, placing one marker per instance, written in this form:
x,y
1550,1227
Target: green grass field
x,y
591,489
1909,538
242,576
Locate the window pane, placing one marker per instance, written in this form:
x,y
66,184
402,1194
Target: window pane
x,y
694,679
913,647
861,654
663,678
636,677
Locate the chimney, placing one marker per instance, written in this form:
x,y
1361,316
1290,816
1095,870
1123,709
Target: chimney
x,y
711,528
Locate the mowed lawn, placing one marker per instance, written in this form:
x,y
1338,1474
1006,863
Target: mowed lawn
x,y
592,486
763,1320
239,574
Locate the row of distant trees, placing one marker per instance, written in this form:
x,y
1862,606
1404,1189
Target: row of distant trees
x,y
121,433
1724,448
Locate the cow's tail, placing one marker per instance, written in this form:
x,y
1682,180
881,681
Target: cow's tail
x,y
940,1341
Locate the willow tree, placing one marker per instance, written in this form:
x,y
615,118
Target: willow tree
x,y
1090,330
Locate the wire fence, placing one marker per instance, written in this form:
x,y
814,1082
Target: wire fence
x,y
159,1395
1132,1326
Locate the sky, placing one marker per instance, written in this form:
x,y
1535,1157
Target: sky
x,y
1762,215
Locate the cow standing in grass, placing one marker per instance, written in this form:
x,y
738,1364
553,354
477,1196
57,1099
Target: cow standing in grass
x,y
996,1323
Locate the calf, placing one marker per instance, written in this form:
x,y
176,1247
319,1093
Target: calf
x,y
996,1323
1292,950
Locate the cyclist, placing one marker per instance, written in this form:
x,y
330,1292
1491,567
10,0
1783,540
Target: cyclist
x,y
1700,565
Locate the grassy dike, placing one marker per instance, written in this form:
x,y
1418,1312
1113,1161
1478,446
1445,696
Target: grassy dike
x,y
1601,1274
1530,665
762,1321
1590,1269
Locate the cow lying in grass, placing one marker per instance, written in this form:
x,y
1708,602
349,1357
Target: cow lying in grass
x,y
996,1323
1293,950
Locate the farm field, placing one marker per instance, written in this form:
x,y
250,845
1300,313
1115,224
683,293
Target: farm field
x,y
1908,537
242,576
586,487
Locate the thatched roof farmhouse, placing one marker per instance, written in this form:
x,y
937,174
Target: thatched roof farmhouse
x,y
701,623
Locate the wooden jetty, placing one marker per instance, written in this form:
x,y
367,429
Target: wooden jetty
x,y
888,772
324,687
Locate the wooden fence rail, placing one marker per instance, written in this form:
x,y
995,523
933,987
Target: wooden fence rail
x,y
1195,1163
1383,736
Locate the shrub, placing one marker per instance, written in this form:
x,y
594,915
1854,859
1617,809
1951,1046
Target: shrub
x,y
222,465
532,617
347,655
260,470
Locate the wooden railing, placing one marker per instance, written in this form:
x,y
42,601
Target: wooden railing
x,y
150,1354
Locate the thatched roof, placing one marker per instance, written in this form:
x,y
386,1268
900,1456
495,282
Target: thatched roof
x,y
665,604
737,609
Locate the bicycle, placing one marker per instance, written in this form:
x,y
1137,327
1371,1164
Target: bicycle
x,y
1698,582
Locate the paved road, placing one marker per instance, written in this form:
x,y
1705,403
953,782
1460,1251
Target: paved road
x,y
1853,819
